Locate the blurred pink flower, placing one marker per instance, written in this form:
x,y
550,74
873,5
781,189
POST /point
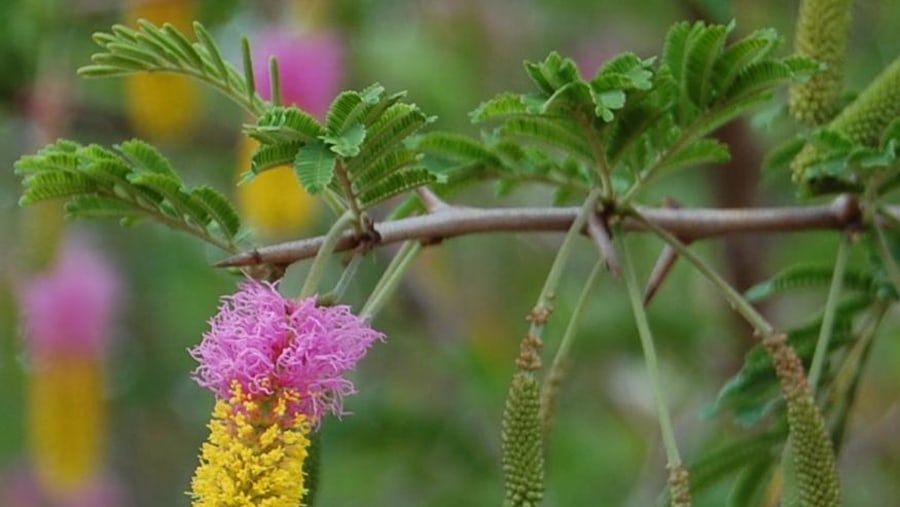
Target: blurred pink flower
x,y
269,344
68,309
311,66
19,488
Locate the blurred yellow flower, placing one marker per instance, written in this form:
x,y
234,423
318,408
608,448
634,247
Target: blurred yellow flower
x,y
162,107
274,202
66,415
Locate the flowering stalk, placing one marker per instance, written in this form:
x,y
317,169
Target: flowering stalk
x,y
831,304
678,475
277,367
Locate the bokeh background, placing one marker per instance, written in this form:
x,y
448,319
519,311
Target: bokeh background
x,y
424,428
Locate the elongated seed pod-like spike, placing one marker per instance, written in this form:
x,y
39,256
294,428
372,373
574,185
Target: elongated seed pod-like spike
x,y
823,27
679,486
522,443
811,449
864,120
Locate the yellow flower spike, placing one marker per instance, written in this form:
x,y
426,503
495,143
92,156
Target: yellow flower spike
x,y
274,202
254,456
66,415
162,107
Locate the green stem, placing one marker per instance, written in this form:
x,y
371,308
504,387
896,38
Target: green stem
x,y
734,298
640,318
556,372
887,257
318,265
389,280
600,155
335,294
831,304
543,307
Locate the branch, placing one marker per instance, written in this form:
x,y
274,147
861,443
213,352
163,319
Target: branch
x,y
687,224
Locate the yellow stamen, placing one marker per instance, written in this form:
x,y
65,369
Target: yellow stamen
x,y
254,456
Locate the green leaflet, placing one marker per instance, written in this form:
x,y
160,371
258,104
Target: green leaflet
x,y
348,143
350,108
219,208
274,155
805,276
559,133
147,157
553,73
455,147
285,125
702,152
394,184
315,165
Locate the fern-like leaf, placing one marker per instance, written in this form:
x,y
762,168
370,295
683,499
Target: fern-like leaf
x,y
136,182
166,49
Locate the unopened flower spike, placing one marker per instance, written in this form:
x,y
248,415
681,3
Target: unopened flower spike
x,y
277,367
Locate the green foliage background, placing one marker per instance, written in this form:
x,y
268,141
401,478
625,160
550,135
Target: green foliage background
x,y
425,425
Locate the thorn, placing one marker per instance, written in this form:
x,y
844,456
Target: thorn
x,y
599,233
666,261
432,202
660,271
249,258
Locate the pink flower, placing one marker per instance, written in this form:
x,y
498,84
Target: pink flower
x,y
271,345
69,308
311,67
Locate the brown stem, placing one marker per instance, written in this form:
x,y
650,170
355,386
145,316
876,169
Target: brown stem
x,y
688,224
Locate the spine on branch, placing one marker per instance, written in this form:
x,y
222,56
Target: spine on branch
x,y
823,28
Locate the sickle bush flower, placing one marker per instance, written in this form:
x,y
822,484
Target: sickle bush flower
x,y
276,367
66,319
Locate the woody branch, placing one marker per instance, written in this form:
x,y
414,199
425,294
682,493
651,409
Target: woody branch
x,y
686,223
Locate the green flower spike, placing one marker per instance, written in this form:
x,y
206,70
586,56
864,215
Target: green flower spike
x,y
811,452
822,31
522,437
523,453
863,122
